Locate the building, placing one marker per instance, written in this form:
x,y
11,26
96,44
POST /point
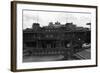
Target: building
x,y
55,39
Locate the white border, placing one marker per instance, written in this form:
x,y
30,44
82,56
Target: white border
x,y
21,65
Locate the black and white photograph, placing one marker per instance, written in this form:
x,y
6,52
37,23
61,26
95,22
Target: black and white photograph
x,y
56,36
53,36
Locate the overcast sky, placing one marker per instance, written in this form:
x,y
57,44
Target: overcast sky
x,y
44,17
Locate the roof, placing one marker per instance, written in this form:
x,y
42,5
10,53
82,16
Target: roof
x,y
67,27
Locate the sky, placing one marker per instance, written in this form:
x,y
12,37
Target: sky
x,y
44,17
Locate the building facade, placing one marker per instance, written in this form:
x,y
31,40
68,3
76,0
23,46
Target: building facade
x,y
55,39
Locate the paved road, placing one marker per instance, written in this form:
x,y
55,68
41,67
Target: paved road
x,y
85,54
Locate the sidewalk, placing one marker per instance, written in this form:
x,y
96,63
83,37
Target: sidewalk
x,y
42,58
